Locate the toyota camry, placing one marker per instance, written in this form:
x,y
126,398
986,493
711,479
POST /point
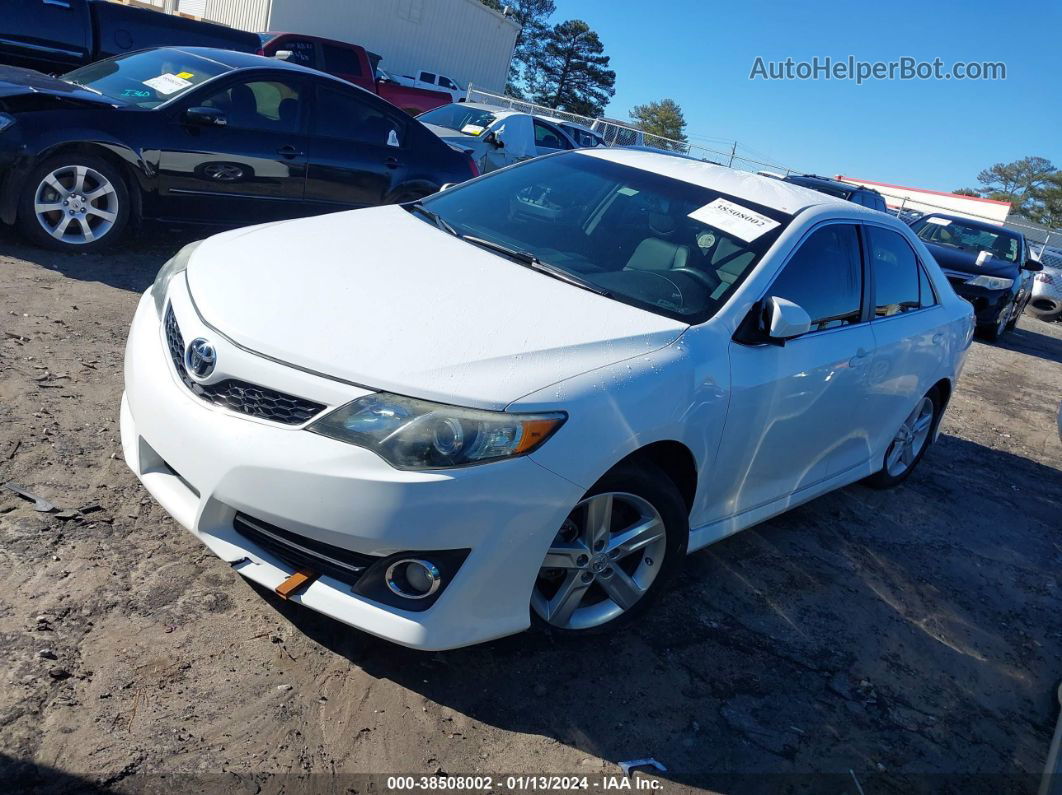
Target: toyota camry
x,y
525,399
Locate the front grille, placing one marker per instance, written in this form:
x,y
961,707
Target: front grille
x,y
304,553
236,395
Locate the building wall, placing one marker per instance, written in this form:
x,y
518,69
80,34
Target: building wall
x,y
462,39
252,15
925,201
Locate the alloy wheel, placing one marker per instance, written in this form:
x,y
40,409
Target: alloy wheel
x,y
910,439
602,561
1004,319
76,204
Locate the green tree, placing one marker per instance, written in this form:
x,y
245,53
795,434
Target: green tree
x,y
531,15
1048,198
571,73
663,118
1017,182
967,192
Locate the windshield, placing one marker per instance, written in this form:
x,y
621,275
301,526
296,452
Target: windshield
x,y
661,244
459,116
147,78
950,233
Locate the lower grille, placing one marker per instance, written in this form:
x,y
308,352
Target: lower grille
x,y
240,396
304,553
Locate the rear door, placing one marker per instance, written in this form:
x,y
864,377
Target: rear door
x,y
250,170
908,324
356,148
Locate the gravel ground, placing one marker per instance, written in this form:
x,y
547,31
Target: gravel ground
x,y
891,640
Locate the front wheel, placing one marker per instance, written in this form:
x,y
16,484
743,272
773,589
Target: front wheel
x,y
909,444
74,202
614,553
995,332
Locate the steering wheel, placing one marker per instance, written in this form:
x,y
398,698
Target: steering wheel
x,y
697,275
681,297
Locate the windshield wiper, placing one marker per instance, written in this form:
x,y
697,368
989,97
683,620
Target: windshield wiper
x,y
433,216
531,261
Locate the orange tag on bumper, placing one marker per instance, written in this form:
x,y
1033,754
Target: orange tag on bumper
x,y
296,581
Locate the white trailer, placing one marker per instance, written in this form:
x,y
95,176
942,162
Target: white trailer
x,y
460,38
926,201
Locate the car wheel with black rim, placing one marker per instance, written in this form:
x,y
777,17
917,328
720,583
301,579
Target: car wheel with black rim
x,y
614,553
909,444
74,202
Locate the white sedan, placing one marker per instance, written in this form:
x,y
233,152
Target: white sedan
x,y
526,398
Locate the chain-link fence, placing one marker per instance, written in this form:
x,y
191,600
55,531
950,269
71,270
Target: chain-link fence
x,y
617,133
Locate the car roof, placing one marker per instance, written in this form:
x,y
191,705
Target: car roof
x,y
988,226
769,192
814,179
241,60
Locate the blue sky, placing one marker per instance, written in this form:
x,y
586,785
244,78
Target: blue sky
x,y
932,134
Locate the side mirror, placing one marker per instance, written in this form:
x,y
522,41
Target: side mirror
x,y
283,55
493,139
205,117
1033,266
784,319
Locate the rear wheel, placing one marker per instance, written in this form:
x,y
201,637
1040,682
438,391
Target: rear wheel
x,y
74,202
614,553
909,444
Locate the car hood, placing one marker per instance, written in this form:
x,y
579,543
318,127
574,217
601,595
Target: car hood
x,y
384,300
953,259
16,82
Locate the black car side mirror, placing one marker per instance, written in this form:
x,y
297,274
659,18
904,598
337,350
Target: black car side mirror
x,y
205,117
1032,266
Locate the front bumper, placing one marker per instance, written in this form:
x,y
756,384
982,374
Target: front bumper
x,y
204,464
987,303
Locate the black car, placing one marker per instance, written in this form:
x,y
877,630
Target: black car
x,y
867,197
198,135
986,264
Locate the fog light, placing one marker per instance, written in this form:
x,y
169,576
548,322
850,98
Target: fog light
x,y
413,579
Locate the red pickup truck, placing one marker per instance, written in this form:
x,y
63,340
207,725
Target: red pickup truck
x,y
352,63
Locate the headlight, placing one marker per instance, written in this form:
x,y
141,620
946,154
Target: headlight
x,y
6,120
417,434
176,264
991,282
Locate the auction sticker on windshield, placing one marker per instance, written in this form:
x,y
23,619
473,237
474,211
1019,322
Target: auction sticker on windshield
x,y
168,83
734,219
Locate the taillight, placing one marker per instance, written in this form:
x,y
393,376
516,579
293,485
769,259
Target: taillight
x,y
259,51
472,165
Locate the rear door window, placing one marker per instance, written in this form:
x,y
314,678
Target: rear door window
x,y
341,60
896,272
344,115
825,277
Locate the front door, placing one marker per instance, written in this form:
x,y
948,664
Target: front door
x,y
251,169
794,418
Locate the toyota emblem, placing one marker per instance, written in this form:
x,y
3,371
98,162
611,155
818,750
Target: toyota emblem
x,y
200,358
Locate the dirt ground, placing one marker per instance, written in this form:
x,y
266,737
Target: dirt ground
x,y
866,642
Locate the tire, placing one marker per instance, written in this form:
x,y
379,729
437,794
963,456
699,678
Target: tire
x,y
89,199
889,476
1044,308
613,587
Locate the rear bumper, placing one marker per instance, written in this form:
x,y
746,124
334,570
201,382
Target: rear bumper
x,y
204,464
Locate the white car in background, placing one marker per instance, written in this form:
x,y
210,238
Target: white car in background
x,y
527,397
435,82
495,137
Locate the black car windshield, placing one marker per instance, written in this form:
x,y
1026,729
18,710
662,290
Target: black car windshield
x,y
460,117
665,245
973,239
147,78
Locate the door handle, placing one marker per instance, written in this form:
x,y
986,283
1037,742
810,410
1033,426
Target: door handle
x,y
859,359
938,338
288,152
392,162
